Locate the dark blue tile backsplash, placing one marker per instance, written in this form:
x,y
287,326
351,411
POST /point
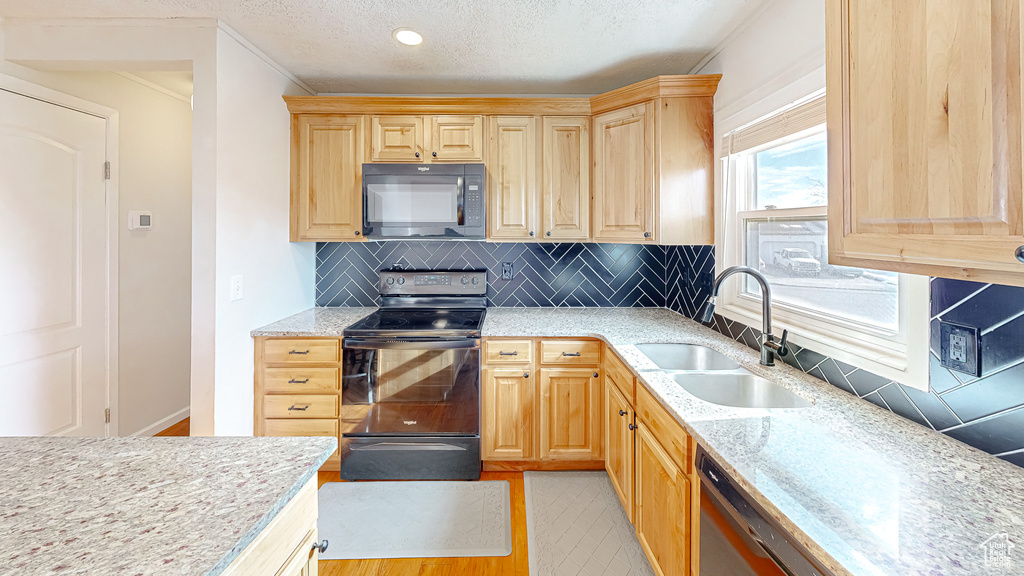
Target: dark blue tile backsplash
x,y
564,274
986,412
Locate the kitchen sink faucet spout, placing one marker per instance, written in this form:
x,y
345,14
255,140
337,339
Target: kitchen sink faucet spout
x,y
769,347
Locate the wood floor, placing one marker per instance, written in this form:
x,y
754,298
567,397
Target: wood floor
x,y
515,564
179,429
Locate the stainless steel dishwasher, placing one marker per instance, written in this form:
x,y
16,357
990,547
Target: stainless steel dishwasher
x,y
738,538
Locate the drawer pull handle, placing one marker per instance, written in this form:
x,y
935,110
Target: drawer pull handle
x,y
322,546
503,353
622,412
297,409
294,381
297,352
632,426
570,353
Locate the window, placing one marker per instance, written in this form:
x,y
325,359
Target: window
x,y
775,221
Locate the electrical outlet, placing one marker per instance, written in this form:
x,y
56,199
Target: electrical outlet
x,y
507,271
236,288
959,348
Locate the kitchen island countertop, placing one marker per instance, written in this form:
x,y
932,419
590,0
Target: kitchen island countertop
x,y
141,506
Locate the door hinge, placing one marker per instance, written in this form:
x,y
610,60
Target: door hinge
x,y
106,170
106,415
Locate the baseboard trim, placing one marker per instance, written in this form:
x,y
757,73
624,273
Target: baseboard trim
x,y
547,465
163,423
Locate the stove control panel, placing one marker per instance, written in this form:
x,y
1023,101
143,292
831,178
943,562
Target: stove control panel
x,y
420,282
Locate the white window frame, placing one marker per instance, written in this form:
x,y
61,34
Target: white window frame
x,y
900,355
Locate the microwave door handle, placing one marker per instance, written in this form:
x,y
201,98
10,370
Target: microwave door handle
x,y
461,208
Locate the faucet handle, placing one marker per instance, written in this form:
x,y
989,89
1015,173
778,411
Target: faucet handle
x,y
782,350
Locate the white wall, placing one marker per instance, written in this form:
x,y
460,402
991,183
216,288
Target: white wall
x,y
253,155
154,267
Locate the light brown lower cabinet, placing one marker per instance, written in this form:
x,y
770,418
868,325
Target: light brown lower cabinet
x,y
507,398
570,414
662,506
618,445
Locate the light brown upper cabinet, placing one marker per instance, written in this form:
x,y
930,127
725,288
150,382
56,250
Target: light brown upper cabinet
x,y
397,138
624,175
327,166
538,174
653,161
452,138
565,182
512,178
925,137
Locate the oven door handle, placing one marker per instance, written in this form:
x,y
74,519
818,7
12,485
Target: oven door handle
x,y
410,345
461,200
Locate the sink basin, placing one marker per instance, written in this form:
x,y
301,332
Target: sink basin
x,y
686,357
739,391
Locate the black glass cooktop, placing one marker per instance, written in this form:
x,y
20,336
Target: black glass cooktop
x,y
429,322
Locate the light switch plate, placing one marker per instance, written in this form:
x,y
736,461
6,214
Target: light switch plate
x,y
236,288
960,348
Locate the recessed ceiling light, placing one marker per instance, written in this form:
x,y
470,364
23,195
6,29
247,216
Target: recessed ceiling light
x,y
407,37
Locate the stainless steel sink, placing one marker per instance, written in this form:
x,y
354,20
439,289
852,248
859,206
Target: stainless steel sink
x,y
739,390
686,357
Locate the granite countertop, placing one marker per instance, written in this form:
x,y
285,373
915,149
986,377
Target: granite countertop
x,y
327,322
866,491
143,506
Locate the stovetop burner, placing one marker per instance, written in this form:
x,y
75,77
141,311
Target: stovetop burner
x,y
429,322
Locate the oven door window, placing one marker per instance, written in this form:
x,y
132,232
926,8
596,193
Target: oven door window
x,y
411,392
414,201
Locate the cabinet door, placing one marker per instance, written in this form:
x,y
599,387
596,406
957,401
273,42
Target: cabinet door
x,y
507,415
512,178
618,445
457,138
570,414
565,200
662,507
397,138
925,137
624,175
327,183
304,561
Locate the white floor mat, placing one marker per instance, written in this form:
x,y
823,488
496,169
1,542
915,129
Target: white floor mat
x,y
576,526
415,519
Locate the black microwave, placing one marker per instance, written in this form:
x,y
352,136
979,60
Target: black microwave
x,y
435,201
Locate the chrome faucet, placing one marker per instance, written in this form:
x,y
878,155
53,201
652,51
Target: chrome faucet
x,y
769,347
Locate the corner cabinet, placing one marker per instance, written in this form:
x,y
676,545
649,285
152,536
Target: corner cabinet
x,y
654,161
925,147
328,152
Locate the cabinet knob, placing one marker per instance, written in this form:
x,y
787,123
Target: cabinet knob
x,y
1019,253
526,374
531,232
632,426
595,374
548,233
647,234
417,154
357,232
622,412
321,547
434,154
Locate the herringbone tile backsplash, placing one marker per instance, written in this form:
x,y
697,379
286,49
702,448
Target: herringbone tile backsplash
x,y
623,275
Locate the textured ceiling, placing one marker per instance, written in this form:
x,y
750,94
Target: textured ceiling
x,y
470,46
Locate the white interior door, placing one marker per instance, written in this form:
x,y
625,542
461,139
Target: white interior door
x,y
54,350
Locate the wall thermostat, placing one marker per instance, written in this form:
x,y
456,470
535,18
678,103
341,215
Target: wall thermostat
x,y
138,220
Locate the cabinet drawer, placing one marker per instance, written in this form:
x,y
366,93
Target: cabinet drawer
x,y
312,380
300,427
508,351
669,433
617,373
300,350
570,352
300,406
